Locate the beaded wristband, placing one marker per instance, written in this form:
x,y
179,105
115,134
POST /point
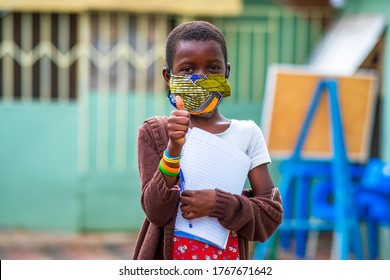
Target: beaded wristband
x,y
169,171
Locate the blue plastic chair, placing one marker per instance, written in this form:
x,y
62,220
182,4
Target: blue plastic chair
x,y
372,199
377,176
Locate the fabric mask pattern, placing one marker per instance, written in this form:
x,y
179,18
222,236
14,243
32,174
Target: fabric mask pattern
x,y
201,94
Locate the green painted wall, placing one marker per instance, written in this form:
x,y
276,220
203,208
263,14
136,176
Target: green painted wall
x,y
41,187
38,177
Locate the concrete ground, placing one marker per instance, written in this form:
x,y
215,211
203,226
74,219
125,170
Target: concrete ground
x,y
22,245
26,245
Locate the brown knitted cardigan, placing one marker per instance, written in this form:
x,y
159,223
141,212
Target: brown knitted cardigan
x,y
253,218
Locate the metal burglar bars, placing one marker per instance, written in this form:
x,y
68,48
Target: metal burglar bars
x,y
110,64
39,53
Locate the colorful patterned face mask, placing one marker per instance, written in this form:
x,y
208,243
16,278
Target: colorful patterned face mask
x,y
201,94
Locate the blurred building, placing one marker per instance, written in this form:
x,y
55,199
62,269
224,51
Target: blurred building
x,y
78,78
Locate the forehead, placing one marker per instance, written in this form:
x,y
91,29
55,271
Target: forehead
x,y
194,49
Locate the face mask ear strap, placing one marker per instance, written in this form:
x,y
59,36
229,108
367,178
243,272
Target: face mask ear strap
x,y
171,98
168,71
227,73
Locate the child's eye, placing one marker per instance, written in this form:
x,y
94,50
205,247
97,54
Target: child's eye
x,y
215,68
187,70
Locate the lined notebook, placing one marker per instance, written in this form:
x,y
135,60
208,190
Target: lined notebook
x,y
210,162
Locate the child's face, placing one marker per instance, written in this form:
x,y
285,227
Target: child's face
x,y
199,57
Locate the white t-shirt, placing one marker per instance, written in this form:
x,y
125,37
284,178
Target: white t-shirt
x,y
248,137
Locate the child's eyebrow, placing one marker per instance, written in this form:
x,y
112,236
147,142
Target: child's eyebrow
x,y
215,60
190,62
185,63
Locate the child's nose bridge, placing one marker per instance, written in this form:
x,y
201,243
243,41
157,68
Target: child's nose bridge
x,y
202,71
204,67
198,72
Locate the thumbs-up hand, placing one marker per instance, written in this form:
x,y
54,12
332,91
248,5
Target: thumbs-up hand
x,y
178,124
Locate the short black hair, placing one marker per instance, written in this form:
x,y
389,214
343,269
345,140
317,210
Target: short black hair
x,y
193,31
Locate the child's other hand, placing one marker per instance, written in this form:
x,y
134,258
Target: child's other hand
x,y
196,204
178,124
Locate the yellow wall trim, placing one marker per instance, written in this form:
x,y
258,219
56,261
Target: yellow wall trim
x,y
175,7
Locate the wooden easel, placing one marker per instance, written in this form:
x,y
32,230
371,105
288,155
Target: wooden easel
x,y
298,172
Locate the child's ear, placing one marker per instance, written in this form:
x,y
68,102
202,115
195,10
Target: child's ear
x,y
166,74
227,73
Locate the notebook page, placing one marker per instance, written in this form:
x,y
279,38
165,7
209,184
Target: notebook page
x,y
205,229
210,162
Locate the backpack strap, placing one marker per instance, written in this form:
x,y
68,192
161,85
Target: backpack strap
x,y
159,130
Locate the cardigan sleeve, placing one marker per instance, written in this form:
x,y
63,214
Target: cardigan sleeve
x,y
255,218
157,200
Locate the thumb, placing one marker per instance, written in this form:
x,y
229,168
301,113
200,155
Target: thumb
x,y
179,103
180,106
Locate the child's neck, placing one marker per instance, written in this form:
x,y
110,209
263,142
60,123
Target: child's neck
x,y
214,124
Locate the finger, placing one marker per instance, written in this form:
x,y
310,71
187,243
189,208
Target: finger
x,y
185,209
180,106
177,135
187,193
183,120
185,214
180,114
179,103
190,216
184,200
